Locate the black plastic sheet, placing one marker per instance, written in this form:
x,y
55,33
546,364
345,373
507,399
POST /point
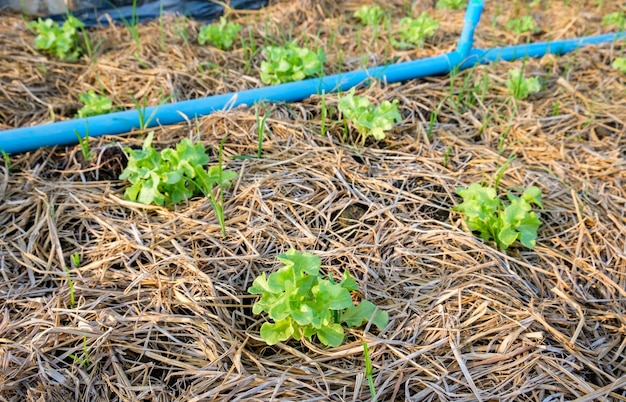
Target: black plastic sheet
x,y
206,11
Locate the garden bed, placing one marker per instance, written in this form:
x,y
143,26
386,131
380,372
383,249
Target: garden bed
x,y
158,307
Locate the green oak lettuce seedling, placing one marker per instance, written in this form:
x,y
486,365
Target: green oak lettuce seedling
x,y
617,18
290,63
451,4
494,219
370,15
302,304
94,104
620,64
521,87
171,175
522,25
222,34
366,118
63,41
413,31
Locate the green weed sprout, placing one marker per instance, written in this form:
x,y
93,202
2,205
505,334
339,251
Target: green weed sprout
x,y
63,41
617,18
370,15
451,4
366,118
620,64
522,25
222,34
290,63
171,175
494,219
94,104
302,304
521,87
413,31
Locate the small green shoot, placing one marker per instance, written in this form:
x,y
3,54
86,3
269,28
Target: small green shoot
x,y
84,145
63,42
366,118
522,25
451,4
521,87
494,219
222,34
414,31
7,159
370,15
217,176
70,285
324,114
290,63
170,176
617,18
94,104
302,304
260,127
84,359
620,64
369,371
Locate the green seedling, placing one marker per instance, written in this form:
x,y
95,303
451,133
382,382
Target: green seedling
x,y
620,64
370,15
84,144
222,34
369,120
84,359
94,104
7,159
414,31
302,304
522,25
617,18
369,371
260,129
494,219
451,4
217,176
521,87
290,63
70,285
171,176
63,42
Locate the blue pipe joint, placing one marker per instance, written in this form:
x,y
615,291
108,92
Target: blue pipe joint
x,y
472,17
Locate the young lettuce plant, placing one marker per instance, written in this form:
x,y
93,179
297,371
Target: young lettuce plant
x,y
522,25
302,304
290,63
94,104
620,64
493,219
222,34
617,18
521,87
370,15
172,175
367,119
413,31
451,4
63,41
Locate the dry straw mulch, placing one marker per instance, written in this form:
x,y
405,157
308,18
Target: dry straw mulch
x,y
160,295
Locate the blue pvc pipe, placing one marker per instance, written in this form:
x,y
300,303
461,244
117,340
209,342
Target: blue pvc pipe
x,y
472,17
64,132
539,49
